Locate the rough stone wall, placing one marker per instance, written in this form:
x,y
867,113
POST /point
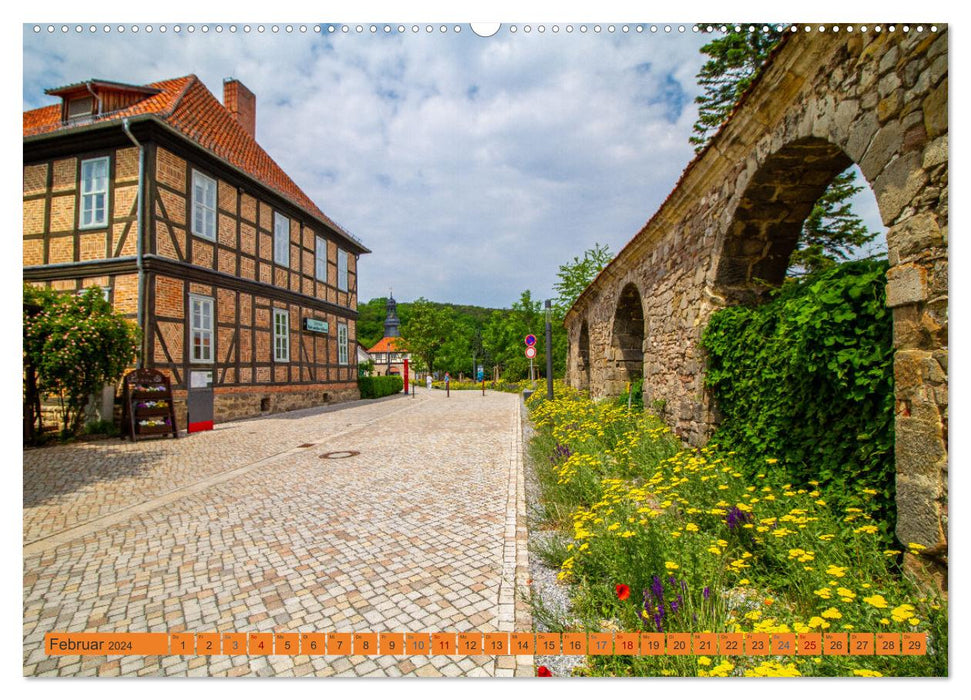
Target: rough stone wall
x,y
826,100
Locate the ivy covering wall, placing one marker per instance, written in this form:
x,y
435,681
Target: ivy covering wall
x,y
807,379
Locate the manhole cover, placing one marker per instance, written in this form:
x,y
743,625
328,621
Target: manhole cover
x,y
341,454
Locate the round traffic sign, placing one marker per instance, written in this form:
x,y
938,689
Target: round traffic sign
x,y
531,352
530,340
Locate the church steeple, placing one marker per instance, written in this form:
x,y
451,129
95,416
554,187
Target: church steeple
x,y
391,323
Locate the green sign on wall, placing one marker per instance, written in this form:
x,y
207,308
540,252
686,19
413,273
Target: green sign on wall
x,y
315,326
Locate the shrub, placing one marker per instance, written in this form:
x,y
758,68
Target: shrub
x,y
808,379
376,387
75,344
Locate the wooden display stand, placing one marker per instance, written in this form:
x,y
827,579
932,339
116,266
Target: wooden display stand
x,y
147,405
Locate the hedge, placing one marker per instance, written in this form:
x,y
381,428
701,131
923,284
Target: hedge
x,y
376,387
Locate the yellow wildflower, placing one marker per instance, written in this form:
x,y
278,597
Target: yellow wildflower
x,y
902,612
832,614
867,673
817,621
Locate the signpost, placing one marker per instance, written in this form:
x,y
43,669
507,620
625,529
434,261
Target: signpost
x,y
530,341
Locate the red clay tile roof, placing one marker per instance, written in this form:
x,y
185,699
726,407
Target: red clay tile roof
x,y
387,344
186,105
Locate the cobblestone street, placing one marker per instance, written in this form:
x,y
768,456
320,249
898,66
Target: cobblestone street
x,y
249,529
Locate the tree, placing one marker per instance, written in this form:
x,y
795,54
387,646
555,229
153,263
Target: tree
x,y
573,277
428,329
734,62
832,230
75,344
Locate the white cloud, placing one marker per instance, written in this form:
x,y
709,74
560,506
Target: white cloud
x,y
471,167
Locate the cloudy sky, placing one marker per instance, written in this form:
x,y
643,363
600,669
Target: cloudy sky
x,y
472,167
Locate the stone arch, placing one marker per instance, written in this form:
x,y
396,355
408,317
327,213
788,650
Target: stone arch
x,y
753,255
770,214
627,341
583,358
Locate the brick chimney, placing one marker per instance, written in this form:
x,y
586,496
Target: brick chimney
x,y
241,103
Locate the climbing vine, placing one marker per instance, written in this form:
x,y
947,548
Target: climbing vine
x,y
807,379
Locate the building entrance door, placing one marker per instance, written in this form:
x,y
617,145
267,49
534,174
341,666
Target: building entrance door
x,y
200,400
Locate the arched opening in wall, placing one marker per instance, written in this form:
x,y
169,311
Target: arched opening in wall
x,y
778,203
628,338
812,367
583,358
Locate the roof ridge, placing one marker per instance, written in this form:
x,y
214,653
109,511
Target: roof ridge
x,y
192,80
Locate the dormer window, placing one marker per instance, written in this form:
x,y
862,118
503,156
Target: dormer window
x,y
93,99
80,107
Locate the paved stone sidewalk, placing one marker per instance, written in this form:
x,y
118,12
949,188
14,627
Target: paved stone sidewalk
x,y
247,529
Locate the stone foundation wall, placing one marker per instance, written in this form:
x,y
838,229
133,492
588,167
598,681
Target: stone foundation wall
x,y
247,404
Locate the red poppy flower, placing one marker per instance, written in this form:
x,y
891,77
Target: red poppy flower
x,y
623,591
544,672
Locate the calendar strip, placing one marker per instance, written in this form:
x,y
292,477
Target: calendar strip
x,y
486,643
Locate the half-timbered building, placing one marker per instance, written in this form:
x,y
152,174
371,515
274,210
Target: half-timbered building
x,y
160,195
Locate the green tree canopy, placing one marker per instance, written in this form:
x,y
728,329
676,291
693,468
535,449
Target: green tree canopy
x,y
428,329
735,60
573,277
832,231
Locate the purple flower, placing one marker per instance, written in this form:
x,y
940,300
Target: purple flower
x,y
706,594
674,607
560,453
657,588
736,517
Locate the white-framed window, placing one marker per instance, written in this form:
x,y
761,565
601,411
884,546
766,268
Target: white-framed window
x,y
203,205
342,343
281,239
94,192
320,259
342,270
281,335
105,292
200,328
